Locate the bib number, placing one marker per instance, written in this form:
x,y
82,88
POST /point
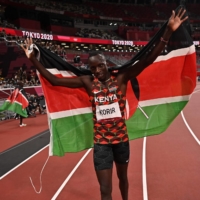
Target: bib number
x,y
108,111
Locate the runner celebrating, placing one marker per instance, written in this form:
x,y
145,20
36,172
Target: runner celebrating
x,y
107,92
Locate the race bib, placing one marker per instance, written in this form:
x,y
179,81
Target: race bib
x,y
108,111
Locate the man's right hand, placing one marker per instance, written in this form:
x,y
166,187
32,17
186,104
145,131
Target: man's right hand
x,y
28,48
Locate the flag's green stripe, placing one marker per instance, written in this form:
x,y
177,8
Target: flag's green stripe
x,y
72,134
160,117
15,107
75,133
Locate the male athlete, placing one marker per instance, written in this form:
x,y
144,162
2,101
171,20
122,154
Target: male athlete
x,y
107,92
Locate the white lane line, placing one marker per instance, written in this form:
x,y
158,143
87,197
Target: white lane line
x,y
190,130
70,175
23,162
144,174
187,125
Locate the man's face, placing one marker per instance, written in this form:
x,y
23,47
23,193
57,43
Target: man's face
x,y
98,67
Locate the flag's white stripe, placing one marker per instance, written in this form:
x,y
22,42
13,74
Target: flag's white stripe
x,y
63,73
78,111
172,54
72,112
159,101
17,102
176,53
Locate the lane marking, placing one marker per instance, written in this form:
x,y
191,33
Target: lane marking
x,y
190,130
144,174
187,125
23,162
70,175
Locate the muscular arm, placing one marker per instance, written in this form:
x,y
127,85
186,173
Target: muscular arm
x,y
67,82
138,67
174,22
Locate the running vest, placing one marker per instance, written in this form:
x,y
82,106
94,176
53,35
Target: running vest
x,y
108,107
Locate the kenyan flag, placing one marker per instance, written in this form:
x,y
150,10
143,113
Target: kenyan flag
x,y
165,89
16,102
154,99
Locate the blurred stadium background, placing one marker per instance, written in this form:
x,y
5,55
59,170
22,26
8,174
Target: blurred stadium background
x,y
72,28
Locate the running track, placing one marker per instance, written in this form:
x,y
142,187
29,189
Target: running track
x,y
162,167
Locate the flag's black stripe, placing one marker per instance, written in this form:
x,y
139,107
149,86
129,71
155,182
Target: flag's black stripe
x,y
135,88
51,60
179,39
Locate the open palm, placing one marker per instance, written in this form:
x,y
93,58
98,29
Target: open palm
x,y
26,47
176,20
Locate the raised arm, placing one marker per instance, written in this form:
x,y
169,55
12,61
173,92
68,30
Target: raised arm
x,y
67,82
174,22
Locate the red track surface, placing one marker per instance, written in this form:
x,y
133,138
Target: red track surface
x,y
172,166
11,134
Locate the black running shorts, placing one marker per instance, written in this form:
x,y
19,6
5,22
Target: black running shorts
x,y
105,154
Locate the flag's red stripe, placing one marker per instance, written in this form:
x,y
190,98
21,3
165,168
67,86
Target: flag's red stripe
x,y
170,78
62,98
173,77
18,97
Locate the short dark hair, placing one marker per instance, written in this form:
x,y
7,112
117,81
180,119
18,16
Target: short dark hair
x,y
95,53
